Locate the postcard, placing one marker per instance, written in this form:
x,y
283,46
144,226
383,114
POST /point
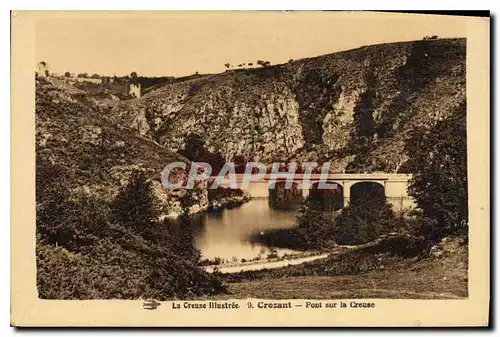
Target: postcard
x,y
250,169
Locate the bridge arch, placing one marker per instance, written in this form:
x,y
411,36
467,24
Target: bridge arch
x,y
327,199
281,197
367,190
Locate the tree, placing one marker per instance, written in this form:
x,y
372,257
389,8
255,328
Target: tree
x,y
136,207
95,76
133,75
62,219
363,113
83,75
67,74
170,261
185,237
194,147
194,150
438,161
263,63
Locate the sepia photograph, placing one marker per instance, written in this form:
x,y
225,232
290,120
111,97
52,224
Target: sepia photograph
x,y
256,161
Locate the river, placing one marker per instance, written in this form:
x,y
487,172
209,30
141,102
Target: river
x,y
226,234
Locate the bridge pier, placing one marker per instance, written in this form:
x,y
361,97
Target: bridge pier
x,y
396,193
346,187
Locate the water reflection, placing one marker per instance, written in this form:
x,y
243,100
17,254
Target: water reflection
x,y
226,234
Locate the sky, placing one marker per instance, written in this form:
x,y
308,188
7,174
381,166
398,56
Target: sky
x,y
182,43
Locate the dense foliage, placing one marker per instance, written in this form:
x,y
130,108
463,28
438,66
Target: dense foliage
x,y
195,150
96,240
439,167
366,217
90,249
438,162
315,225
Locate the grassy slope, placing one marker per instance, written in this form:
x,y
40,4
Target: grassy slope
x,y
429,278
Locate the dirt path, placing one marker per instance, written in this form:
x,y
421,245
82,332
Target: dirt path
x,y
264,264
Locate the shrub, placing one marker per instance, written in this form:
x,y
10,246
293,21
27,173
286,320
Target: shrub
x,y
263,63
315,226
366,218
136,207
109,273
72,222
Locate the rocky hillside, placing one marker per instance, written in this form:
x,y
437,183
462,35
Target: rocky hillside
x,y
100,233
353,107
94,156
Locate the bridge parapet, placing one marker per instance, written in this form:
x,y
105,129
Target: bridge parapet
x,y
334,176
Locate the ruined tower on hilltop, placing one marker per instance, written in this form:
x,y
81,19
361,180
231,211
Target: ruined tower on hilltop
x,y
42,69
135,90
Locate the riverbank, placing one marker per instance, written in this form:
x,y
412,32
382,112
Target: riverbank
x,y
219,203
270,263
274,260
211,201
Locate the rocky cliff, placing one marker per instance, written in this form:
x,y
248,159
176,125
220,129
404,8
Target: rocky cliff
x,y
354,107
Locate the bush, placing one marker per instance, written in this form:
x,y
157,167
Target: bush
x,y
366,218
63,219
136,208
110,272
316,228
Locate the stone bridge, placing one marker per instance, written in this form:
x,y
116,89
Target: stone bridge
x,y
394,185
